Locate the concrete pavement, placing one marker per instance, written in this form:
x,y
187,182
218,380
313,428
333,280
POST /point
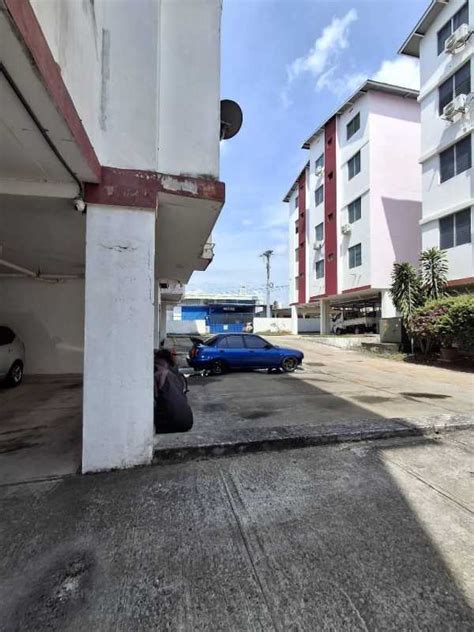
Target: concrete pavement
x,y
374,536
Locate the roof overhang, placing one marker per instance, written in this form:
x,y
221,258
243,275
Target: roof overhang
x,y
411,46
295,183
368,86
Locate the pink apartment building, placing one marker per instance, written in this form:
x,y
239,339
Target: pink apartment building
x,y
355,208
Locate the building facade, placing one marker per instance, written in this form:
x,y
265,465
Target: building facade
x,y
361,204
109,190
443,41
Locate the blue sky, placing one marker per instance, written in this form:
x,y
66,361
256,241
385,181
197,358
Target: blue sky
x,y
289,64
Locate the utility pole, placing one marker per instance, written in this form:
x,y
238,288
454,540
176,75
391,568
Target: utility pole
x,y
267,255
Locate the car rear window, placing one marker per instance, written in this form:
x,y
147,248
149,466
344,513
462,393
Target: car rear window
x,y
6,336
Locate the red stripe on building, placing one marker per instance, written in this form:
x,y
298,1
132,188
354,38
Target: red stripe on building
x,y
330,207
302,237
27,26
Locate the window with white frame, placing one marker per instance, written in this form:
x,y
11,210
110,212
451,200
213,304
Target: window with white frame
x,y
461,17
458,83
353,126
320,269
319,230
319,164
355,256
297,199
353,166
354,210
455,159
319,195
455,229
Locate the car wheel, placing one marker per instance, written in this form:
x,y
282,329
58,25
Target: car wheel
x,y
15,374
338,331
289,364
217,367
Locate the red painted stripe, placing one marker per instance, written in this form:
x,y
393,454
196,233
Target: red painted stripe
x,y
302,237
139,189
357,289
330,207
29,30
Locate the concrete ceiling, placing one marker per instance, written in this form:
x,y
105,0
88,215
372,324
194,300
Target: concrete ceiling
x,y
42,234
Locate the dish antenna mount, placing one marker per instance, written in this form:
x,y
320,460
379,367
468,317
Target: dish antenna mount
x,y
231,118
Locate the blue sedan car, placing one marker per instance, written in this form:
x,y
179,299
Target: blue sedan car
x,y
241,351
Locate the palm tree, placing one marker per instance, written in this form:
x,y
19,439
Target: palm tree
x,y
406,293
434,272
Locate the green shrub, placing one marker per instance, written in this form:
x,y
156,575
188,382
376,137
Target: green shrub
x,y
446,321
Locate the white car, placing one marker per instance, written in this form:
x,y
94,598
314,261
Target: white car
x,y
12,357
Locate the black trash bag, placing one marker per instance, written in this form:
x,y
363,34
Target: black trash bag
x,y
172,410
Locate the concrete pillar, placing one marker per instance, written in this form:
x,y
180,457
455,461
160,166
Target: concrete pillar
x,y
325,316
294,319
118,357
387,307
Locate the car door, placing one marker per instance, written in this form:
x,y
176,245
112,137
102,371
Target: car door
x,y
261,353
6,357
232,351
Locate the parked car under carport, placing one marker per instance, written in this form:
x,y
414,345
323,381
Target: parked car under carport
x,y
12,357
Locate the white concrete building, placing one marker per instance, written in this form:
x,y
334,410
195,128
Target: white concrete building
x,y
112,108
355,207
443,41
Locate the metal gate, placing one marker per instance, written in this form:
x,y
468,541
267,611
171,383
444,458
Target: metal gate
x,y
228,323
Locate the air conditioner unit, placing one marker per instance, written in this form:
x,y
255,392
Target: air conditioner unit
x,y
346,229
319,171
457,106
318,245
457,40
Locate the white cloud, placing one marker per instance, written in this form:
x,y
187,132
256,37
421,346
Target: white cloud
x,y
247,222
401,71
321,60
340,84
333,39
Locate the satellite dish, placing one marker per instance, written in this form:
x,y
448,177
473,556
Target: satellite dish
x,y
231,118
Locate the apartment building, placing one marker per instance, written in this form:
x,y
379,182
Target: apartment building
x,y
443,40
109,190
355,208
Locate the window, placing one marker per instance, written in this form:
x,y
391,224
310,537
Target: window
x,y
319,162
319,195
353,126
353,166
455,159
320,269
355,210
296,201
296,229
461,17
255,342
459,83
235,342
355,256
6,336
455,229
296,254
319,232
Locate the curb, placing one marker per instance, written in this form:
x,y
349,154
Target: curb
x,y
288,438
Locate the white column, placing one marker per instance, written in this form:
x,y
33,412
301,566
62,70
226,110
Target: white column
x,y
387,307
118,361
294,319
325,322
